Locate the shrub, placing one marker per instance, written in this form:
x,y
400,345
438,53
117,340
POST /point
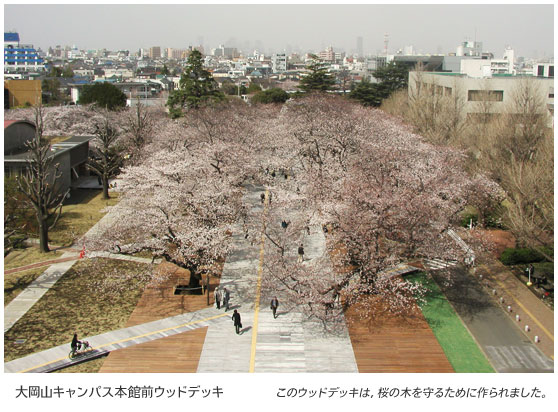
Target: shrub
x,y
512,256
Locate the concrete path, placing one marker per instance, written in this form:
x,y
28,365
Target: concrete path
x,y
289,343
507,349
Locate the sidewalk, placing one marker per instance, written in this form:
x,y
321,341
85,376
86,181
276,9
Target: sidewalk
x,y
532,312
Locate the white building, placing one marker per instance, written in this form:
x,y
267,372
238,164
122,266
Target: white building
x,y
279,63
499,90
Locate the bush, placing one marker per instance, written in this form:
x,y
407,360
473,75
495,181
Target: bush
x,y
512,256
467,216
274,95
105,95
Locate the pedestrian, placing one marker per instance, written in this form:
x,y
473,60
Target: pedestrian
x,y
217,294
531,270
284,224
308,230
300,253
237,322
262,198
274,305
226,298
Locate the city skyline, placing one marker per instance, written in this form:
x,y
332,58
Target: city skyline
x,y
276,28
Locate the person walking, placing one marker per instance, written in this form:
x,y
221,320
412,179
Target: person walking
x,y
274,305
237,322
226,298
217,295
300,253
262,198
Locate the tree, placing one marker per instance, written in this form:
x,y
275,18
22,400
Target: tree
x,y
67,73
392,77
275,95
165,70
318,79
40,182
139,127
197,87
356,171
104,159
367,93
51,90
253,88
105,95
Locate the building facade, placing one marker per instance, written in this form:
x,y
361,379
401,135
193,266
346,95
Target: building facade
x,y
494,94
20,57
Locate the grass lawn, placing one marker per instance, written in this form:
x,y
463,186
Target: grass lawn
x,y
460,348
14,283
76,304
27,256
79,214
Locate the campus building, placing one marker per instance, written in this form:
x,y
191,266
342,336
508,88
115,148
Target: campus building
x,y
70,155
495,93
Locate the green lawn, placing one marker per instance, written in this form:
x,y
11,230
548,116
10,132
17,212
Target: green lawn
x,y
460,348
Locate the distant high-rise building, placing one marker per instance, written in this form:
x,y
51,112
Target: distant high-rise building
x,y
155,52
359,48
328,54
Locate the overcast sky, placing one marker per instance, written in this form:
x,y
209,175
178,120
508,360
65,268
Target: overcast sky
x,y
429,28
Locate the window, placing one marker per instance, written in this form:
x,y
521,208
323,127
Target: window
x,y
540,70
550,71
485,95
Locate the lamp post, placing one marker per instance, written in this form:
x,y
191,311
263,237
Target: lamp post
x,y
529,273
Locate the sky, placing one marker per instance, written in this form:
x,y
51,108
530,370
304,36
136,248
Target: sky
x,y
528,29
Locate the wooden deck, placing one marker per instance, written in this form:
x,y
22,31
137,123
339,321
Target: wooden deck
x,y
395,345
178,353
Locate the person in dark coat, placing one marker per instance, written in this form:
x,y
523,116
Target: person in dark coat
x,y
274,305
76,344
237,321
217,294
226,298
300,253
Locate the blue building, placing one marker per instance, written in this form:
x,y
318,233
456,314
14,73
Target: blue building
x,y
20,57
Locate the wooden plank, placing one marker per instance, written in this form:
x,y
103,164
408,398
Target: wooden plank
x,y
177,353
395,345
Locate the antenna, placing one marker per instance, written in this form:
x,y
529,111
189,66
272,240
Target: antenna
x,y
386,41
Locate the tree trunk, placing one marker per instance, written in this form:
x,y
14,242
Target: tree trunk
x,y
43,236
105,187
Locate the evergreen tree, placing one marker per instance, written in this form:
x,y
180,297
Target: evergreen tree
x,y
318,79
197,87
105,95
